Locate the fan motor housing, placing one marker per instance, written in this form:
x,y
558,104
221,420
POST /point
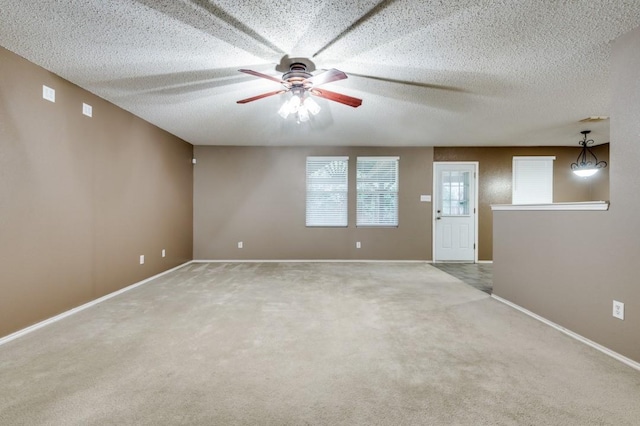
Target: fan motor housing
x,y
297,75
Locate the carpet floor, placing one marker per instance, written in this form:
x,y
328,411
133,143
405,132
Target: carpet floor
x,y
309,344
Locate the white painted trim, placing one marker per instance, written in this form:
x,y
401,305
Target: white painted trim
x,y
434,203
485,261
578,206
631,363
306,261
87,305
536,157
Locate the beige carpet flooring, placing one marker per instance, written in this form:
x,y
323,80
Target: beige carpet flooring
x,y
309,344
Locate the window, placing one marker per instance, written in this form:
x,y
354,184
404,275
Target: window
x,y
532,180
455,193
377,191
327,186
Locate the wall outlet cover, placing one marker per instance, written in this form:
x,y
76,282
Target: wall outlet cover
x,y
87,110
240,244
48,93
142,259
618,310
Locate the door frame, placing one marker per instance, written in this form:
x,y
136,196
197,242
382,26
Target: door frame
x,y
476,165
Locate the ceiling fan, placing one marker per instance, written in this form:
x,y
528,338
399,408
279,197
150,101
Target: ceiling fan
x,y
302,83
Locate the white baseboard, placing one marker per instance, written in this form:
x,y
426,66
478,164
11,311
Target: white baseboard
x,y
631,363
306,261
484,261
77,309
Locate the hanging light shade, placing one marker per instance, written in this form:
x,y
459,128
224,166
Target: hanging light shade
x,y
587,163
299,105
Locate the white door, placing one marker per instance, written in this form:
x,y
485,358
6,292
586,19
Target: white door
x,y
455,212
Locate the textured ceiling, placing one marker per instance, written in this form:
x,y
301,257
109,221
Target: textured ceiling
x,y
435,73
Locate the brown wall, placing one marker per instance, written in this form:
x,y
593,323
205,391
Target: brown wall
x,y
494,180
257,195
81,198
569,266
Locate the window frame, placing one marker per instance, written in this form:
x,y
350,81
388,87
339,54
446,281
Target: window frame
x,y
314,197
362,192
545,184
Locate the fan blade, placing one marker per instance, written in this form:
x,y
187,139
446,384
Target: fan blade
x,y
327,77
264,95
337,97
259,74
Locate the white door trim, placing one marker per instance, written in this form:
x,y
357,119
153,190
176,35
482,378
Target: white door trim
x,y
476,165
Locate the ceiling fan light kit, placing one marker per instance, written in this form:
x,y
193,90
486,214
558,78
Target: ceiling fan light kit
x,y
302,85
300,106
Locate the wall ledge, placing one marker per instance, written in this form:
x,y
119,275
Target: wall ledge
x,y
307,261
581,206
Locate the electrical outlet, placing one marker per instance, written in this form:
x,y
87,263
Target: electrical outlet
x,y
87,110
142,259
618,310
358,245
240,244
164,253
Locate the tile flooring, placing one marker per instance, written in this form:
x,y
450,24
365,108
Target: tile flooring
x,y
478,275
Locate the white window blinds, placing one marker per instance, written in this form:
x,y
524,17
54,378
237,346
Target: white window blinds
x,y
532,180
327,187
377,191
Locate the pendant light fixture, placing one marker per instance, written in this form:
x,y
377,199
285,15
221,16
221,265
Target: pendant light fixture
x,y
587,163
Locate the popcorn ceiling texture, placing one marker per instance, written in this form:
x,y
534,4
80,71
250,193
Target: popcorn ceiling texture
x,y
493,72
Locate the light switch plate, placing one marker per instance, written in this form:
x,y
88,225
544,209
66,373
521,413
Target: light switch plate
x,y
618,310
142,259
87,110
48,93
